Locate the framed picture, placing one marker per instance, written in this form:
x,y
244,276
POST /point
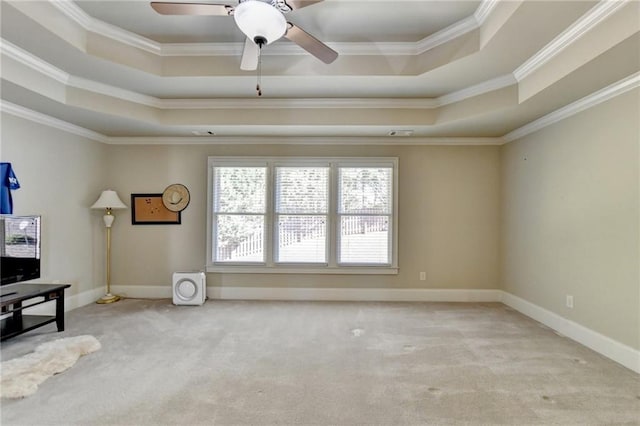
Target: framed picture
x,y
148,209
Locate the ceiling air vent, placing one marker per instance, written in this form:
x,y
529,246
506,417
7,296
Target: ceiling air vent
x,y
401,133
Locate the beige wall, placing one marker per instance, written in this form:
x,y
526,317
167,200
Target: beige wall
x,y
448,223
60,175
570,205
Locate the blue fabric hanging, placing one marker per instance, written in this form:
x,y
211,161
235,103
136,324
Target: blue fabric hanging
x,y
9,183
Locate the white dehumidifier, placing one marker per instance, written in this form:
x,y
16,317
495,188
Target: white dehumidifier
x,y
189,288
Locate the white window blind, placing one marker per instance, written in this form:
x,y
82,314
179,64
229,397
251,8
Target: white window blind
x,y
281,214
364,212
239,213
301,214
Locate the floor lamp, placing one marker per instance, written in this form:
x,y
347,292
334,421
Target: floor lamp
x,y
108,201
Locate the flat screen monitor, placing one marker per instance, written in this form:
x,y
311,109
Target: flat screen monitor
x,y
19,248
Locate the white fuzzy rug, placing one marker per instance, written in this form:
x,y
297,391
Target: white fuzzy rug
x,y
20,377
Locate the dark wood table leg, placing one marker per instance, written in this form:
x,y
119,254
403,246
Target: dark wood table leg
x,y
60,310
17,314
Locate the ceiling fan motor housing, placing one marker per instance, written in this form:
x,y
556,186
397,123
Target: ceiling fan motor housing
x,y
260,21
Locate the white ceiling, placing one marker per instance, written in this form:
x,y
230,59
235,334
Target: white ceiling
x,y
449,71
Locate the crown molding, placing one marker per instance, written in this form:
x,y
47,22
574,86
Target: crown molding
x,y
288,49
204,49
47,120
297,103
445,35
113,91
592,18
74,12
484,10
589,101
479,89
299,140
97,26
22,56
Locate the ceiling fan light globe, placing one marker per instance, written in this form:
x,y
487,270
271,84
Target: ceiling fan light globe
x,y
259,19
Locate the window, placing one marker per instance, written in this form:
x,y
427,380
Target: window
x,y
301,214
239,213
364,214
319,215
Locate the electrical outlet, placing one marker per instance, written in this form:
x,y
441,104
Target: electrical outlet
x,y
569,301
423,276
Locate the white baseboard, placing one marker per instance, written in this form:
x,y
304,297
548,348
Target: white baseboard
x,y
84,298
143,291
354,294
602,344
333,294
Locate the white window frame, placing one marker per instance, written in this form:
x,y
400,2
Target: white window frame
x,y
331,266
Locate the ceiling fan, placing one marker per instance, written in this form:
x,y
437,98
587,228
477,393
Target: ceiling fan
x,y
262,21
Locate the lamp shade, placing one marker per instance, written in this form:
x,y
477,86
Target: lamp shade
x,y
108,200
259,20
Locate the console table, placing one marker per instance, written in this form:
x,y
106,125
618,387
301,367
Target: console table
x,y
13,295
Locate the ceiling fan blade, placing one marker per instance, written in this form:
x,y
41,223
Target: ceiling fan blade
x,y
310,44
299,4
250,54
165,8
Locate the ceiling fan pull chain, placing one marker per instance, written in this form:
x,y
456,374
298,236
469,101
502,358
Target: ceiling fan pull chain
x,y
258,89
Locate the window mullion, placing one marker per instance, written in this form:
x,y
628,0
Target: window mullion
x,y
332,215
270,217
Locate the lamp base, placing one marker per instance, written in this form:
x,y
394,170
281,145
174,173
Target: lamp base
x,y
108,298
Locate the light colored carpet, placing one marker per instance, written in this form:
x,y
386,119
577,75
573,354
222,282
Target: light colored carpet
x,y
20,377
267,363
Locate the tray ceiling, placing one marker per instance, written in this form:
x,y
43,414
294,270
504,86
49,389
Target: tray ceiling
x,y
448,71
